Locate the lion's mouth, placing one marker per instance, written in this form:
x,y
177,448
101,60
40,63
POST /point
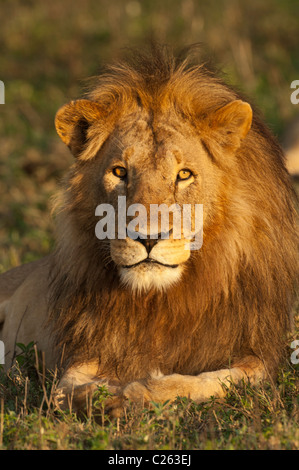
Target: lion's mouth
x,y
150,261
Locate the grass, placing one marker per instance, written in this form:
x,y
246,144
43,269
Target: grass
x,y
248,418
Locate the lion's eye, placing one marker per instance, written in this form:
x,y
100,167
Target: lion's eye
x,y
184,175
120,172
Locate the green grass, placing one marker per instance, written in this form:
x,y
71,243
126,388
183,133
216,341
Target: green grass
x,y
248,418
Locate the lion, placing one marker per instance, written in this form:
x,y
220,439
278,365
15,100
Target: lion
x,y
149,317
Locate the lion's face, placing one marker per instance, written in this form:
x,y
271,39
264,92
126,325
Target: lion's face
x,y
149,159
152,164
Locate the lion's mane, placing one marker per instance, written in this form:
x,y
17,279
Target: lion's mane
x,y
235,296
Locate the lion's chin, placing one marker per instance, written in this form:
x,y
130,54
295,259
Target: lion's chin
x,y
145,277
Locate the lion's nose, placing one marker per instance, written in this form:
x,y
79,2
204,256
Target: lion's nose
x,y
149,243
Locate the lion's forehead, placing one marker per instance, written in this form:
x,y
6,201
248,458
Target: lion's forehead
x,y
161,138
155,160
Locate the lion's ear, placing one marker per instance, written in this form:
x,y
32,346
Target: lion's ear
x,y
73,120
232,122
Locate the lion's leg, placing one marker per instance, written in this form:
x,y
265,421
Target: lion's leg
x,y
78,384
199,388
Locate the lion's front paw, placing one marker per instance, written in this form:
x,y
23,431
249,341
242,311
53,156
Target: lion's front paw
x,y
114,406
155,388
60,399
137,392
74,399
80,397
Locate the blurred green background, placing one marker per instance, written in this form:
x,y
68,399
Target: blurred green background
x,y
49,48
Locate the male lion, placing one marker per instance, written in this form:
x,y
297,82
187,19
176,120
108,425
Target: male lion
x,y
149,317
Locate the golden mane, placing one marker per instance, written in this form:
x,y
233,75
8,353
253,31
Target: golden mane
x,y
235,296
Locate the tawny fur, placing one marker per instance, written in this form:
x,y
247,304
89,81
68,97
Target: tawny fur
x,y
230,309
